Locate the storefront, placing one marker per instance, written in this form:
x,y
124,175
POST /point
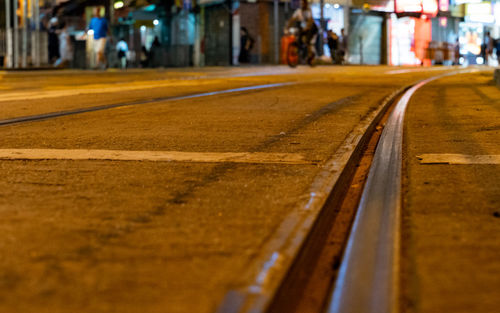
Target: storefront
x,y
411,32
368,31
333,15
479,20
220,28
367,39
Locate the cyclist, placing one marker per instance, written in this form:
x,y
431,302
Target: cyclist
x,y
302,19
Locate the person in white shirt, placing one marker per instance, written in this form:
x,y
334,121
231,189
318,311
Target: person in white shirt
x,y
302,19
122,49
65,47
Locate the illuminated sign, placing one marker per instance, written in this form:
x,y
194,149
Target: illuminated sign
x,y
480,12
417,6
430,7
478,8
444,5
374,5
408,6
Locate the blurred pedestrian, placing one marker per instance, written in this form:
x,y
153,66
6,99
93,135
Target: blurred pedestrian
x,y
156,42
456,48
144,57
332,41
65,46
246,44
122,50
486,47
53,40
497,49
155,53
99,25
343,46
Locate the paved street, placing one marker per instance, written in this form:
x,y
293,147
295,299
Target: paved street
x,y
94,230
451,220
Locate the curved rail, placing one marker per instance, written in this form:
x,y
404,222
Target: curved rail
x,y
368,276
264,276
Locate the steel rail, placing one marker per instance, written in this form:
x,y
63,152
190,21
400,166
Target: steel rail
x,y
263,278
45,116
368,277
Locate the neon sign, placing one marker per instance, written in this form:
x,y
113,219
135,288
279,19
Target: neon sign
x,y
429,7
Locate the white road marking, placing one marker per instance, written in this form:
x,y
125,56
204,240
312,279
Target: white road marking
x,y
156,156
89,89
418,69
458,159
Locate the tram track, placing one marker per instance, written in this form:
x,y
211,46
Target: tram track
x,y
56,114
279,277
339,253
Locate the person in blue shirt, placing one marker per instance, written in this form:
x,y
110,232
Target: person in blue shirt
x,y
99,25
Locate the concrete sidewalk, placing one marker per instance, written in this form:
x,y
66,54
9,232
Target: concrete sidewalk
x,y
451,224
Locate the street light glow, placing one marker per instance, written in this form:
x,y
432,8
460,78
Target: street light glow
x,y
118,5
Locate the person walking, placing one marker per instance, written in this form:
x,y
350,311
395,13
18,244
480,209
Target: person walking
x,y
122,50
333,42
99,25
486,48
497,49
456,48
246,44
155,53
65,47
343,46
144,57
53,40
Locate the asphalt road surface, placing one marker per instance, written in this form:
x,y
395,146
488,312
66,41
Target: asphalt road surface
x,y
94,230
452,210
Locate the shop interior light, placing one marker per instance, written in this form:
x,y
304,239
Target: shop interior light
x,y
336,6
443,21
156,22
118,5
143,28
